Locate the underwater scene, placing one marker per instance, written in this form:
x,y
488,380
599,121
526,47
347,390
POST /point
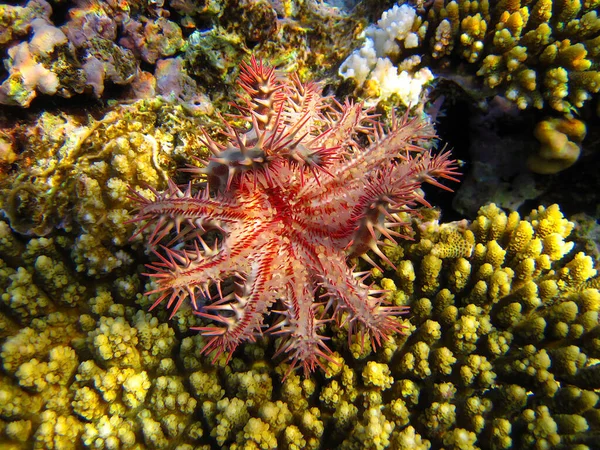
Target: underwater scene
x,y
300,224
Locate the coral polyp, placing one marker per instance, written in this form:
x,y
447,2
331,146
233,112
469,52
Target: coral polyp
x,y
279,210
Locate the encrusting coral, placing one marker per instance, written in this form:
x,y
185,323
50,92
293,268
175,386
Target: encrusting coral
x,y
502,352
121,49
66,61
75,173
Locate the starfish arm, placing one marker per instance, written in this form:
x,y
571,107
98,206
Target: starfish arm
x,y
239,315
358,305
298,324
345,127
384,192
397,144
181,275
303,106
183,212
199,266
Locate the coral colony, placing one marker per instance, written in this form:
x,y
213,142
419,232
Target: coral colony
x,y
282,206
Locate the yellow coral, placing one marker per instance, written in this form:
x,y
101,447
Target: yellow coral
x,y
19,430
518,315
560,145
94,162
536,53
56,431
88,404
276,414
114,341
409,439
375,374
454,243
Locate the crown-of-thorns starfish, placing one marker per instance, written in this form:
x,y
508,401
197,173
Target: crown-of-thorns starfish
x,y
279,210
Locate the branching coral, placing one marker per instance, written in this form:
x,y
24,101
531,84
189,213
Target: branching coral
x,y
537,53
540,54
502,352
371,66
516,311
387,62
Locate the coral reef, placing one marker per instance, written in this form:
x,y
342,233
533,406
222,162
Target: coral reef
x,y
536,53
285,200
540,55
500,347
74,174
81,55
121,50
501,352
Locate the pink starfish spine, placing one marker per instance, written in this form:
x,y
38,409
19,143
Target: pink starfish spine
x,y
286,201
